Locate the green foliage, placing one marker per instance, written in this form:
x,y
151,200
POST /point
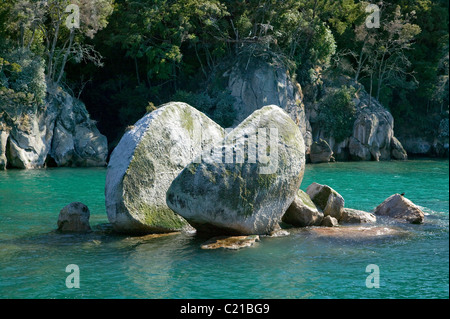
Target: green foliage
x,y
219,107
156,51
337,113
201,101
25,74
22,82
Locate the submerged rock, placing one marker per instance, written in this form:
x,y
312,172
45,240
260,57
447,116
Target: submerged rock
x,y
326,199
329,221
150,237
399,207
232,189
357,232
74,218
234,243
303,212
147,160
353,216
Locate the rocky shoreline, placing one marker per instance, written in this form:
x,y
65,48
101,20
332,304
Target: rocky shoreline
x,y
58,133
61,133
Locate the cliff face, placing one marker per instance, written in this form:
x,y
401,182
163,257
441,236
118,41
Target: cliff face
x,y
418,143
372,137
58,133
263,83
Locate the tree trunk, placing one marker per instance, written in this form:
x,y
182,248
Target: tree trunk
x,y
51,54
66,55
137,71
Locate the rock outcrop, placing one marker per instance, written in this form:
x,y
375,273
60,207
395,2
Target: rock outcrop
x,y
327,199
244,185
262,83
3,140
256,82
321,152
76,139
372,137
147,160
74,218
302,212
401,208
59,131
417,143
397,150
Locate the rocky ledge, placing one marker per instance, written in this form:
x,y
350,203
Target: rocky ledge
x,y
59,132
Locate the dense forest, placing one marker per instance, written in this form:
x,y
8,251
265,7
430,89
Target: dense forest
x,y
123,58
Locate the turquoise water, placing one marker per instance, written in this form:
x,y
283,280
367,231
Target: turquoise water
x,y
33,258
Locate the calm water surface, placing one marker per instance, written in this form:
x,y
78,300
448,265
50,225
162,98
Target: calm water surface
x,y
33,258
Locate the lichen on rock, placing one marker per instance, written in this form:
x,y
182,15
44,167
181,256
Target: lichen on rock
x,y
250,193
145,162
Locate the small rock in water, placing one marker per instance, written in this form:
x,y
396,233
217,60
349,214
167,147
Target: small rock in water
x,y
326,199
74,218
329,221
353,216
278,233
303,212
401,208
233,242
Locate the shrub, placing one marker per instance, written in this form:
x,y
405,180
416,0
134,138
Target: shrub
x,y
218,107
337,113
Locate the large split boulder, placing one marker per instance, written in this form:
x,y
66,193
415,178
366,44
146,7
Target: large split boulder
x,y
245,183
399,207
303,212
146,161
326,199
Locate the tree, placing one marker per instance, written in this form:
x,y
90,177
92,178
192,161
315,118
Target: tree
x,y
51,27
382,52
